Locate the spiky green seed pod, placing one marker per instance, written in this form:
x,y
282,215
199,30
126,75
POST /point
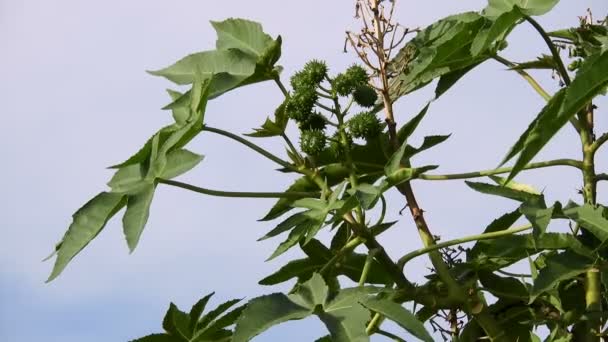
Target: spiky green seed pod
x,y
365,125
314,121
365,96
336,145
357,75
316,70
299,106
313,141
342,85
301,80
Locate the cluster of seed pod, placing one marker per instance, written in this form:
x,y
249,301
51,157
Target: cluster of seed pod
x,y
301,106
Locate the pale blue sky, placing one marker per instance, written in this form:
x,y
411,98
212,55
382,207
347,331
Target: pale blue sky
x,y
75,99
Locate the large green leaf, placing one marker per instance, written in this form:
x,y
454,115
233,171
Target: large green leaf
x,y
283,205
244,35
539,215
559,267
504,191
496,8
244,55
440,49
495,30
589,217
590,81
87,222
136,215
344,317
397,313
504,251
266,311
502,287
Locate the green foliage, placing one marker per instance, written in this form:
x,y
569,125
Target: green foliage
x,y
340,184
196,327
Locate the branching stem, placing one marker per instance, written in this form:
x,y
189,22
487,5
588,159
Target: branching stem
x,y
479,237
241,194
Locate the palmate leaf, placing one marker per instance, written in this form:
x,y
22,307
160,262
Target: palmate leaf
x,y
350,265
272,128
244,55
443,49
134,183
343,316
191,327
590,81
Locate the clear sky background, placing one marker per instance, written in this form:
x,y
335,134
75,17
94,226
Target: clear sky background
x,y
75,99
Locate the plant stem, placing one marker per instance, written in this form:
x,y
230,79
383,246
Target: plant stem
x,y
475,174
240,194
485,236
558,60
352,244
292,148
251,146
368,264
602,177
278,82
518,275
535,85
373,325
599,142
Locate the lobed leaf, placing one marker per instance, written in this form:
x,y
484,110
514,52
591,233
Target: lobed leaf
x,y
87,222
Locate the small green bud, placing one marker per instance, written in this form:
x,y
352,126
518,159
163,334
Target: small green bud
x,y
574,65
314,121
365,96
312,142
299,106
365,125
316,70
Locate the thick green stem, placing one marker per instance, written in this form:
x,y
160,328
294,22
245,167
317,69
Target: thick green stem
x,y
558,60
252,146
486,236
366,267
475,174
593,298
239,194
599,142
